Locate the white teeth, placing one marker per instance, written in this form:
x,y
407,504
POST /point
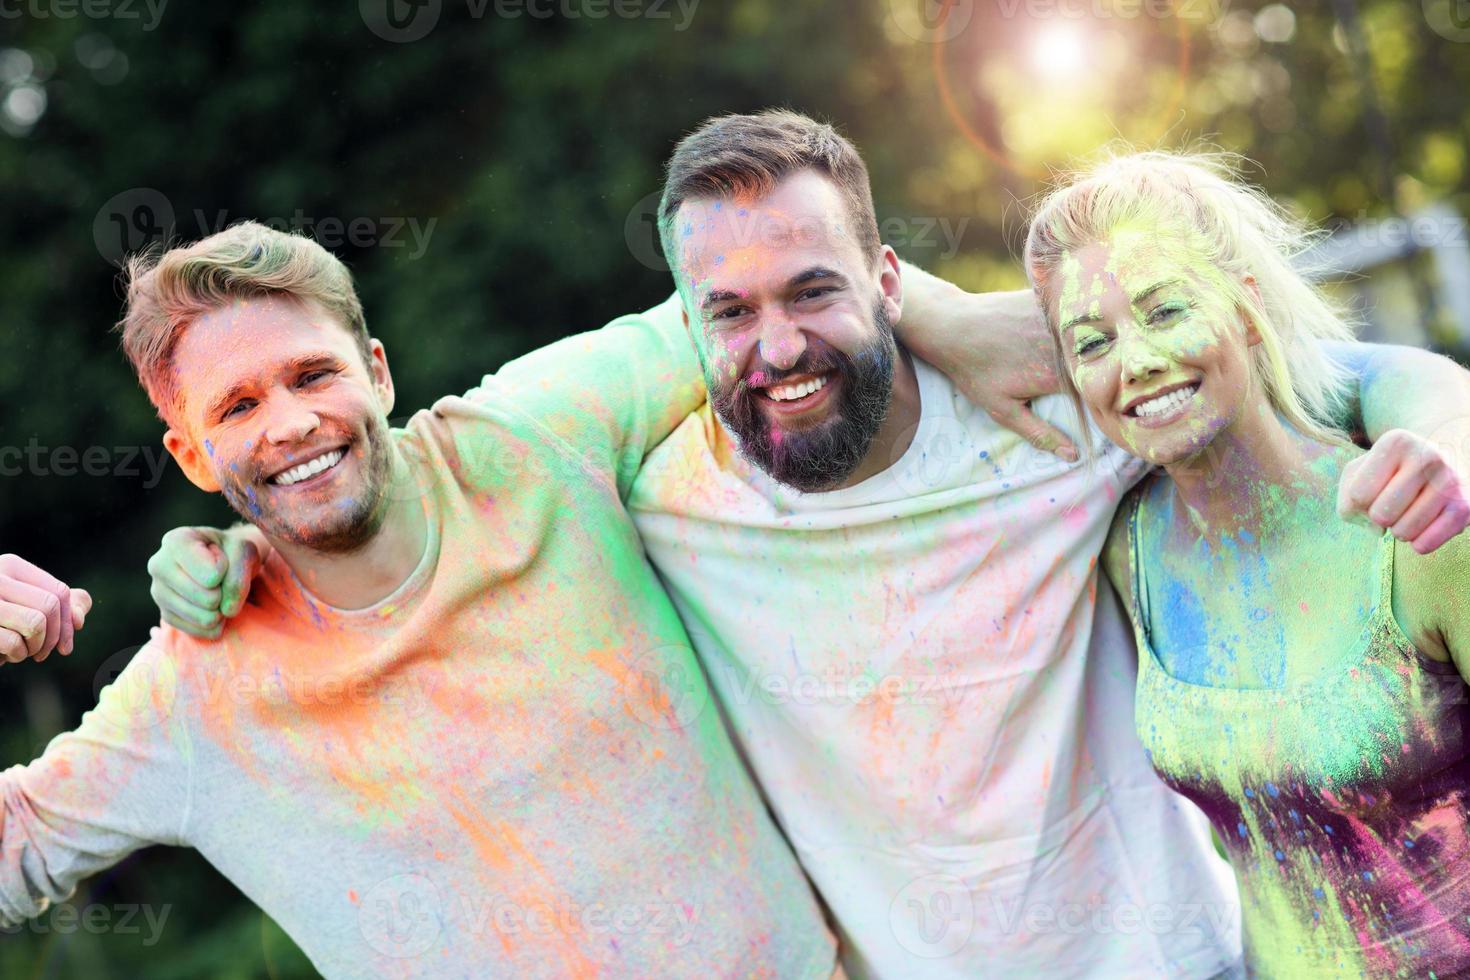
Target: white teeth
x,y
308,469
1164,403
786,393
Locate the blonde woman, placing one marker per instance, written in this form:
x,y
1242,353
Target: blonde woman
x,y
1300,676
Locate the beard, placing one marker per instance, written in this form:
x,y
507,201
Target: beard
x,y
334,526
823,455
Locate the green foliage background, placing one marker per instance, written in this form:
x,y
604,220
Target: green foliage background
x,y
533,144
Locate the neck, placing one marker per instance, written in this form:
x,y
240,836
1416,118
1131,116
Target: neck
x,y
899,425
1251,477
376,568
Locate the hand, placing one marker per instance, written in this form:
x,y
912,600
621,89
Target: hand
x,y
38,614
201,576
995,347
1408,485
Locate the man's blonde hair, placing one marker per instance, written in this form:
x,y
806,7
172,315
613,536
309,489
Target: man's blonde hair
x,y
168,292
1235,230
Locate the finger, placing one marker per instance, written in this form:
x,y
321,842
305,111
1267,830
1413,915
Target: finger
x,y
1364,478
1423,512
169,573
58,610
193,553
1021,420
41,600
244,561
1450,522
189,617
12,648
1392,502
81,604
24,622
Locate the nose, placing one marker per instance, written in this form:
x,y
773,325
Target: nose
x,y
1138,357
291,420
782,343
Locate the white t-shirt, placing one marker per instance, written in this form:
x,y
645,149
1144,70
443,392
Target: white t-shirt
x,y
934,687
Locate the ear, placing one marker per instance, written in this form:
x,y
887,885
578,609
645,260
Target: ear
x,y
194,464
890,283
1252,333
382,377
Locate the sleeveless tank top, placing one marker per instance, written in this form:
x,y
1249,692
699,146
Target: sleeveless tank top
x,y
1342,800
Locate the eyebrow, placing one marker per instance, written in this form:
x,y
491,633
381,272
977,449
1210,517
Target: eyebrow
x,y
717,297
815,272
1138,297
230,395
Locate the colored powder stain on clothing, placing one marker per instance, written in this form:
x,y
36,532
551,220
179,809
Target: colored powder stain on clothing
x,y
1309,786
1185,620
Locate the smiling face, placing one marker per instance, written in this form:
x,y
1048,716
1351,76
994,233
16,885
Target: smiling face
x,y
282,416
1154,343
794,326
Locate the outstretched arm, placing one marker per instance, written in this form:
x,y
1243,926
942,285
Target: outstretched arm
x,y
118,783
1414,406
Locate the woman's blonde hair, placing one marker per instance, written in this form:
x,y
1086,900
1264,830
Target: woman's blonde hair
x,y
165,293
1235,230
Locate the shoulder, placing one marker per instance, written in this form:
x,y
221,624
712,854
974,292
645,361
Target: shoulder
x,y
486,440
138,691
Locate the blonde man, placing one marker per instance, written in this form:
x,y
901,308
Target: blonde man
x,y
424,747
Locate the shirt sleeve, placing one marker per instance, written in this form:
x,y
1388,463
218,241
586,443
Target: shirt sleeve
x,y
117,783
610,395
